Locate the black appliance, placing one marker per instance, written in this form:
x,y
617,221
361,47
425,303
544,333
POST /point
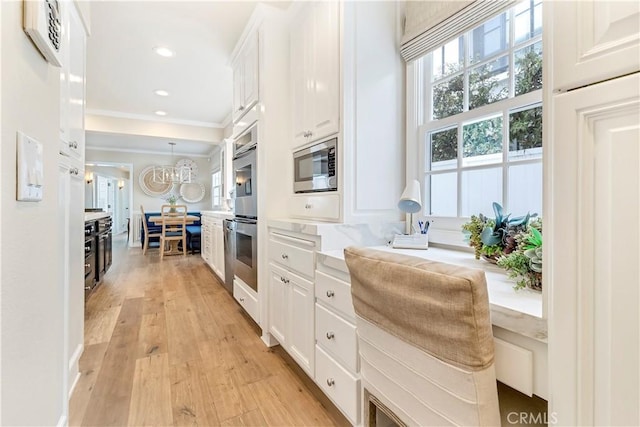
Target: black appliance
x,y
104,245
89,256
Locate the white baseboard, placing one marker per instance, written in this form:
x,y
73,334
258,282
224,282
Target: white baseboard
x,y
74,369
62,422
73,385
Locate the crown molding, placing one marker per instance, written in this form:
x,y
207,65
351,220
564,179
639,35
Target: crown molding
x,y
149,118
129,150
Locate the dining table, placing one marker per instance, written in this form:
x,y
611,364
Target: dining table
x,y
173,244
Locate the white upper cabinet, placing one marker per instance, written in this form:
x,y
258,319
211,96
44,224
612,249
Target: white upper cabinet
x,y
315,72
72,84
245,77
594,41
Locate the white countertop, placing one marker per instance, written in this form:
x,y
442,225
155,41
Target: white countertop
x,y
218,214
93,216
517,311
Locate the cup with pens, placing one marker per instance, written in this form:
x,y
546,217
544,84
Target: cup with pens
x,y
424,226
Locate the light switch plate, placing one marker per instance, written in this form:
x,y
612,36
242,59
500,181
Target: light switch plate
x,y
30,169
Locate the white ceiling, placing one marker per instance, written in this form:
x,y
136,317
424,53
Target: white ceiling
x,y
123,70
146,144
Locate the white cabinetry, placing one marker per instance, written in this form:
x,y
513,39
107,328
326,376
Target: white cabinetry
x,y
71,186
72,83
347,80
71,253
291,305
246,77
337,363
315,72
593,180
212,244
594,41
595,292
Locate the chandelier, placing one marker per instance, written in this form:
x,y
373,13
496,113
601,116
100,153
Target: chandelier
x,y
171,174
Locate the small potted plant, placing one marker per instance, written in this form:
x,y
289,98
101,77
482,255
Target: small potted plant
x,y
514,244
172,199
493,237
525,262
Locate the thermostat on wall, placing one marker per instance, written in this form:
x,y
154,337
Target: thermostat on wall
x,y
30,169
42,21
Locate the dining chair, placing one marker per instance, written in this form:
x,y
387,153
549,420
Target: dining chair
x,y
174,223
425,341
147,236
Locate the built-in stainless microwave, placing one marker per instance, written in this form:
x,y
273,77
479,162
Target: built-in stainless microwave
x,y
315,168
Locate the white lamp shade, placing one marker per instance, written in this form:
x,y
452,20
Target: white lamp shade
x,y
410,201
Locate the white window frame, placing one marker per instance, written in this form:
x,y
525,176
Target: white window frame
x,y
447,230
220,185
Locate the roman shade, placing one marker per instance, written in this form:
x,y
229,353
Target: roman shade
x,y
429,24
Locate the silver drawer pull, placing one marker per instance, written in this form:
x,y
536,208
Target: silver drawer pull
x,y
308,206
286,280
330,382
241,299
284,256
330,294
330,335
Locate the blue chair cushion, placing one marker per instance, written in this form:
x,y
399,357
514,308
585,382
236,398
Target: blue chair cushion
x,y
194,230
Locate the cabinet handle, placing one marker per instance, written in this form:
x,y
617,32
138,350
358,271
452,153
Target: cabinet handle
x,y
330,382
73,144
282,279
87,265
87,288
286,280
330,294
285,256
87,248
330,335
308,206
240,108
241,299
310,134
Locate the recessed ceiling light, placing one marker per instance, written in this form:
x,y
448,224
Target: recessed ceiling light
x,y
161,113
163,51
161,92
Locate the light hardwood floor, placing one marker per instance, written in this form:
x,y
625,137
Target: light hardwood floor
x,y
165,344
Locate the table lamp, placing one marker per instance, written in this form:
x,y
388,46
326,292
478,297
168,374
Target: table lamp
x,y
410,201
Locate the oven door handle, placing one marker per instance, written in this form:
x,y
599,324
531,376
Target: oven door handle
x,y
246,221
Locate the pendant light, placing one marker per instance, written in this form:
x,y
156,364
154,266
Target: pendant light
x,y
170,174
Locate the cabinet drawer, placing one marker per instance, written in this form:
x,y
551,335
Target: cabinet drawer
x,y
247,299
514,366
337,383
337,337
324,206
295,257
335,293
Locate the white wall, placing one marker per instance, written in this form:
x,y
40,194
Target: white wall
x,y
141,161
31,301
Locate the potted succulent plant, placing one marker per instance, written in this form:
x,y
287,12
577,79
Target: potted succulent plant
x,y
515,244
525,262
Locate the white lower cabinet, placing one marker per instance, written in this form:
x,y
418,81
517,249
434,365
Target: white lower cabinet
x,y
292,295
247,298
337,361
339,384
291,311
212,244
